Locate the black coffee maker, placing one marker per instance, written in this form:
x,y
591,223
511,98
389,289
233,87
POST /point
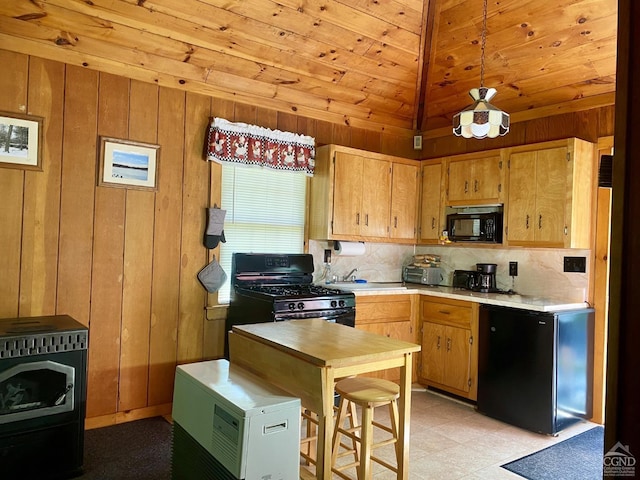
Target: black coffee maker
x,y
485,277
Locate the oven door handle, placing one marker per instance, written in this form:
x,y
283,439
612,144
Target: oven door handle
x,y
344,316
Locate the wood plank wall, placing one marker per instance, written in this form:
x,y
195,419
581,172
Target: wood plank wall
x,y
124,262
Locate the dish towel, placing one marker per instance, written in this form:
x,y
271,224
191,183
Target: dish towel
x,y
214,233
212,276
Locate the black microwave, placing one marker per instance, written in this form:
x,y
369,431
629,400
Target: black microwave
x,y
475,227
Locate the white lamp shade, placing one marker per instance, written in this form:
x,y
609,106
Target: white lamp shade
x,y
481,119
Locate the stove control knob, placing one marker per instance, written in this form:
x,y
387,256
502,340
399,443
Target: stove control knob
x,y
334,304
292,306
301,306
341,303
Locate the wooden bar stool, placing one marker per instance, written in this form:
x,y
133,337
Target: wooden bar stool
x,y
308,436
367,393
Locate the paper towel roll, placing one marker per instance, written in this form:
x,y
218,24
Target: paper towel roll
x,y
349,248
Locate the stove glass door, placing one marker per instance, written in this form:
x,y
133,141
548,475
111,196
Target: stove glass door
x,y
35,388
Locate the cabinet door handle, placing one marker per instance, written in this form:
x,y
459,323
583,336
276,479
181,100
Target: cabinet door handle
x,y
357,219
475,185
395,222
449,344
366,219
466,186
438,346
433,223
540,222
444,312
527,225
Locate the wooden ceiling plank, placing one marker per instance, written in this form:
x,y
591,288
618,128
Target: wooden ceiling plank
x,y
392,11
236,42
47,50
390,55
208,58
531,93
209,66
379,87
124,36
507,47
354,20
311,86
240,14
550,69
223,80
263,20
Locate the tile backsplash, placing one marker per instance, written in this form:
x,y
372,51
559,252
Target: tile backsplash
x,y
540,270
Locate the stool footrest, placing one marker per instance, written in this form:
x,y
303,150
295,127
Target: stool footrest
x,y
384,463
345,453
386,428
340,474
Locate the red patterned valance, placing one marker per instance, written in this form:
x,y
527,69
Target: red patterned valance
x,y
245,144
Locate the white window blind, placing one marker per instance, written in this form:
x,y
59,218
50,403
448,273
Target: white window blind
x,y
265,214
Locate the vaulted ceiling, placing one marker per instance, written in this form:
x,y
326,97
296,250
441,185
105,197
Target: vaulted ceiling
x,y
393,65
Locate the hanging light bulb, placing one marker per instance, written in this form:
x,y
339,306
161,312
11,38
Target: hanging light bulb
x,y
481,119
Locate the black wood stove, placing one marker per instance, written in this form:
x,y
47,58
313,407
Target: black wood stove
x,y
43,368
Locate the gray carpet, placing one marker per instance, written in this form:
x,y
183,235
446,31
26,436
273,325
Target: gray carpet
x,y
577,458
139,450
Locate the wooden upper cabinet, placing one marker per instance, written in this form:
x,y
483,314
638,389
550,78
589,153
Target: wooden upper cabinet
x,y
347,197
376,197
431,204
475,179
551,192
362,190
359,195
536,196
404,201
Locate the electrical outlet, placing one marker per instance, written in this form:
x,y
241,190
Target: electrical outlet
x,y
327,256
513,269
575,264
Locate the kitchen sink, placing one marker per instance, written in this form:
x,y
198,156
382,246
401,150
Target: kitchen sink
x,y
368,286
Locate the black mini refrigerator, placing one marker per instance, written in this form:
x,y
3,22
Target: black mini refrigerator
x,y
535,369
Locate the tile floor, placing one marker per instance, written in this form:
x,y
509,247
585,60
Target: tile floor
x,y
451,441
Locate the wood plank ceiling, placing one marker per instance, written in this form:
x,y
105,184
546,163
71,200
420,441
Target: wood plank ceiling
x,y
387,65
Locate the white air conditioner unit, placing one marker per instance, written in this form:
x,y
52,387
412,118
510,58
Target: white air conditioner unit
x,y
231,425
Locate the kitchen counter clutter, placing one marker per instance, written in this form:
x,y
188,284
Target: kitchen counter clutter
x,y
526,302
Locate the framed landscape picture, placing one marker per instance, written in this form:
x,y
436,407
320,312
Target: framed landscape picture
x,y
127,164
20,141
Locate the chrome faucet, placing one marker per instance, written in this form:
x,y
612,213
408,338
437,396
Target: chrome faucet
x,y
350,276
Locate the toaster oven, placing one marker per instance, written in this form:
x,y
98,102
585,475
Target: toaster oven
x,y
422,275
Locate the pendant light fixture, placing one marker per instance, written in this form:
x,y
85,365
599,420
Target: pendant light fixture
x,y
481,119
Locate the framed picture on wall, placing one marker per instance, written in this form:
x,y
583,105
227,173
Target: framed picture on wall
x,y
128,164
20,141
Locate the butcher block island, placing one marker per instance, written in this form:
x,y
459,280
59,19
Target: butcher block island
x,y
306,357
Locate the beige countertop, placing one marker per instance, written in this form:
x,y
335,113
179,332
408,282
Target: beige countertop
x,y
526,302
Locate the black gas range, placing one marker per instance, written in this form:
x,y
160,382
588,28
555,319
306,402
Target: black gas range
x,y
279,287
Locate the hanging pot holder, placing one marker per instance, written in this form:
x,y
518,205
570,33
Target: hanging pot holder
x,y
212,276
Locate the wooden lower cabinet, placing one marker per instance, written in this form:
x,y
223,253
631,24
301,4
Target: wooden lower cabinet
x,y
394,316
449,356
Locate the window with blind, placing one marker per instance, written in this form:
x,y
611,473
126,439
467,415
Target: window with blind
x,y
265,214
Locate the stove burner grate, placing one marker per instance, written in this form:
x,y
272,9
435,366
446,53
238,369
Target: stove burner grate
x,y
293,290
